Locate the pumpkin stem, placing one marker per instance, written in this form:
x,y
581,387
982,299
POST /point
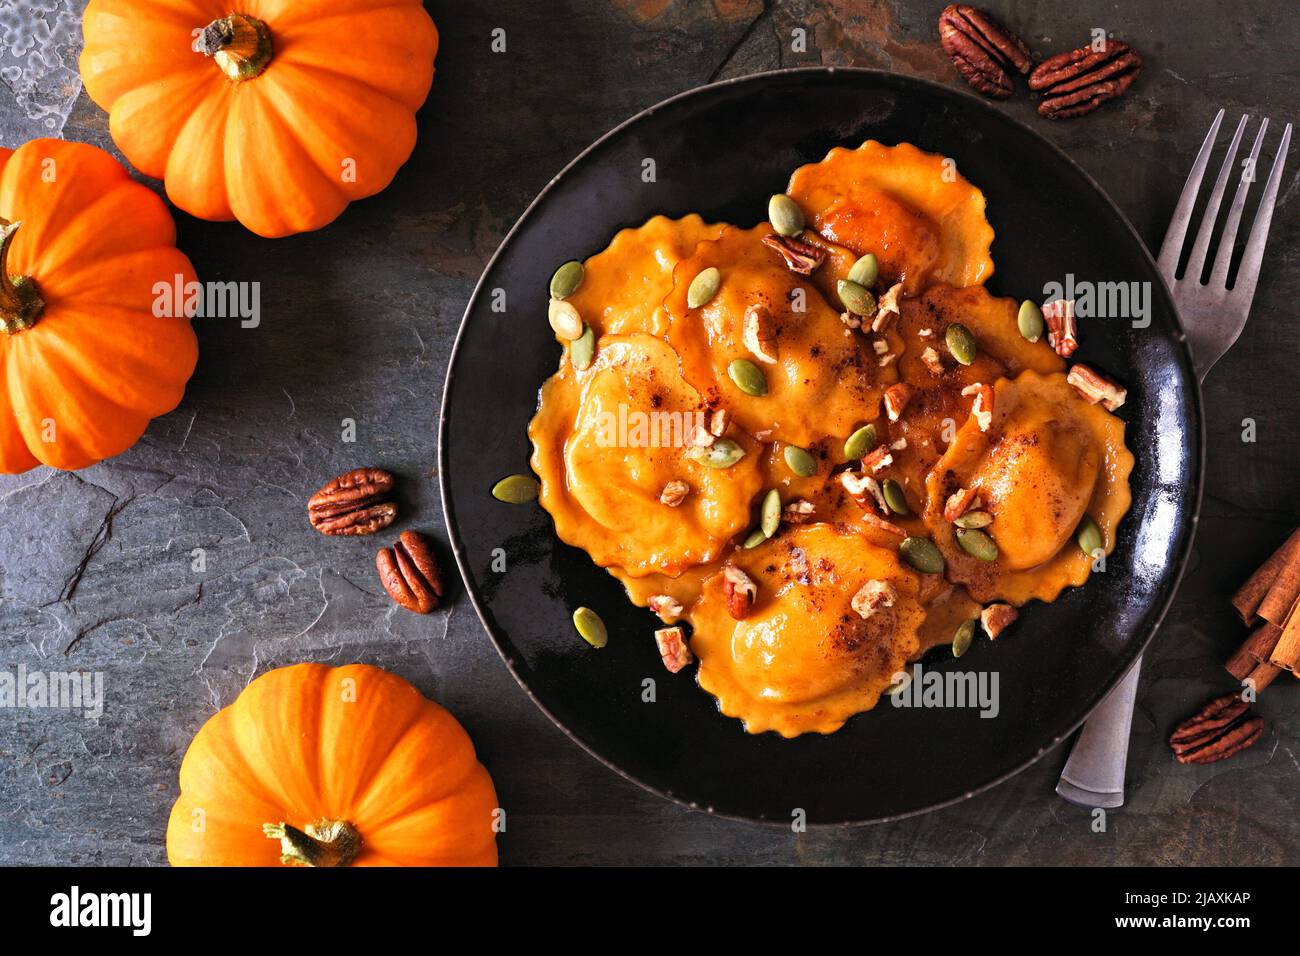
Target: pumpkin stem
x,y
239,44
324,843
20,299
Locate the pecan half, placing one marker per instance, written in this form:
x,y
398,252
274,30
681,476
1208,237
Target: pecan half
x,y
800,256
1062,327
1221,729
740,591
1079,81
983,50
1096,387
671,642
409,573
353,503
996,618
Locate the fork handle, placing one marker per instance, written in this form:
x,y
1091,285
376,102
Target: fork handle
x,y
1094,774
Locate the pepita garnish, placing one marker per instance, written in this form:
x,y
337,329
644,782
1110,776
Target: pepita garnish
x,y
582,349
922,554
703,287
749,378
961,640
756,537
590,626
771,513
800,461
723,453
894,497
785,215
960,343
974,519
856,298
1088,536
566,279
865,271
564,319
516,489
977,544
860,442
1030,320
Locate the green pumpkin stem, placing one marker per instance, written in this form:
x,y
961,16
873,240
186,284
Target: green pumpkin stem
x,y
240,45
20,299
323,843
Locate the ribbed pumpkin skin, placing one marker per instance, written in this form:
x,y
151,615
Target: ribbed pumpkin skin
x,y
292,748
343,85
98,364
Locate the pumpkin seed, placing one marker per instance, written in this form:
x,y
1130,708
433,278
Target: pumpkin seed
x,y
566,279
749,378
801,463
590,626
582,349
723,453
756,537
564,319
785,215
960,343
703,287
516,489
1030,320
865,271
977,544
974,519
961,640
771,513
860,442
894,497
922,554
856,298
1088,535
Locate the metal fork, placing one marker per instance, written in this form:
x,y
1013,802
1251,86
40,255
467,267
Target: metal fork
x,y
1213,316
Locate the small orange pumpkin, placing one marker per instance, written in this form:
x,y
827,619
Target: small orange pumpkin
x,y
85,361
277,113
333,766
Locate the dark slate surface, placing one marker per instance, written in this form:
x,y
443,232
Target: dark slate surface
x,y
358,322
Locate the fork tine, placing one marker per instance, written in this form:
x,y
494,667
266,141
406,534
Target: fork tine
x,y
1248,272
1177,232
1223,258
1196,262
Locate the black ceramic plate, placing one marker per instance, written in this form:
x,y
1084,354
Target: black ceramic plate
x,y
721,151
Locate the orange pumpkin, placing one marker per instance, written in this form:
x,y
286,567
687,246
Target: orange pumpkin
x,y
277,113
324,766
85,361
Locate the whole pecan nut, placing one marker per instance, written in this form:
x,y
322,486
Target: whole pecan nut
x,y
353,503
409,573
983,50
1222,728
1079,81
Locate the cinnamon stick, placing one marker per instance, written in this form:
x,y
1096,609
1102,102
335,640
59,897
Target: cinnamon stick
x,y
1263,675
1256,650
1251,596
1286,654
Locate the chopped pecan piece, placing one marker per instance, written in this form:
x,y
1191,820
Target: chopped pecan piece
x,y
1077,82
718,422
1221,729
671,642
800,256
758,334
982,408
996,618
674,493
878,459
1096,387
739,590
876,521
896,398
665,605
958,503
701,437
798,511
983,50
931,360
1062,329
887,307
873,596
851,320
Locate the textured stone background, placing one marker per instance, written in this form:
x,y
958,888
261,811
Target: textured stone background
x,y
358,321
